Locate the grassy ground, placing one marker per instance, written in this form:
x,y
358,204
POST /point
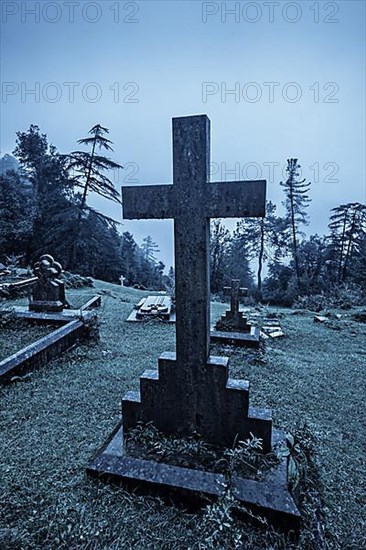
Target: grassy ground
x,y
54,421
18,336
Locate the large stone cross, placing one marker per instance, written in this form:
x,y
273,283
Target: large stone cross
x,y
191,201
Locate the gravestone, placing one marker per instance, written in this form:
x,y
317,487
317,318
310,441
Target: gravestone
x,y
191,392
48,293
154,306
233,328
233,318
122,280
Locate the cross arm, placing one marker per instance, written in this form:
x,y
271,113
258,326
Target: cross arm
x,y
236,199
242,291
147,202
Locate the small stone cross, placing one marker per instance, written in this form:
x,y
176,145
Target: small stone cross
x,y
235,292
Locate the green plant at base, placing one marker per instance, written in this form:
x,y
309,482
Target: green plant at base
x,y
245,453
297,460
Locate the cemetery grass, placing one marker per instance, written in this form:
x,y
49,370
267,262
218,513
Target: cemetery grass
x,y
16,335
54,421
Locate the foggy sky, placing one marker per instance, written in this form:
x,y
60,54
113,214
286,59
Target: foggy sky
x,y
277,79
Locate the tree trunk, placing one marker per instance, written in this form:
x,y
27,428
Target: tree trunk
x,y
260,260
349,247
342,247
294,240
82,206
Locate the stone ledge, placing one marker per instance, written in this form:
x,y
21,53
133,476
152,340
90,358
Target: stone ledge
x,y
270,497
42,351
54,317
132,318
236,338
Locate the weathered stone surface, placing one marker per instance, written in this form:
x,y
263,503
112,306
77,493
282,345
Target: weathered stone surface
x,y
269,497
233,328
233,318
243,339
42,351
191,392
94,302
272,327
48,293
57,317
153,307
194,394
223,405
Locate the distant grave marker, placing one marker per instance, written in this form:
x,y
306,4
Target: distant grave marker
x,y
153,307
233,328
234,316
48,293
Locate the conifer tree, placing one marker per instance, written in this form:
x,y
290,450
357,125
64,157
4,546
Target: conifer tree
x,y
348,230
296,202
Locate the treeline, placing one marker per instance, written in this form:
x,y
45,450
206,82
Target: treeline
x,y
44,209
297,266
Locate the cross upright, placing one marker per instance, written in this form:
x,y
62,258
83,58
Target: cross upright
x,y
191,201
235,291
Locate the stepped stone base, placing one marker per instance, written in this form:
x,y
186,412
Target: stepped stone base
x,y
223,414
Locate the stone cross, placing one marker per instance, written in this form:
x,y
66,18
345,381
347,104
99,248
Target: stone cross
x,y
235,292
188,383
122,280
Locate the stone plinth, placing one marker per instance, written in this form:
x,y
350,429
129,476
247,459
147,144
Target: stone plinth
x,y
233,338
47,297
269,497
223,412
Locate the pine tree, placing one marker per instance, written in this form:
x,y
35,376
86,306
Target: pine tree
x,y
149,249
16,215
296,201
348,229
89,174
51,187
129,258
237,263
89,168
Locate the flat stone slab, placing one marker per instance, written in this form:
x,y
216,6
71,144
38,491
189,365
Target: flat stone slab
x,y
43,350
19,285
60,317
251,339
269,497
133,318
157,306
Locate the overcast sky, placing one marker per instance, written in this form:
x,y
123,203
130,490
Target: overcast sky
x,y
277,79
